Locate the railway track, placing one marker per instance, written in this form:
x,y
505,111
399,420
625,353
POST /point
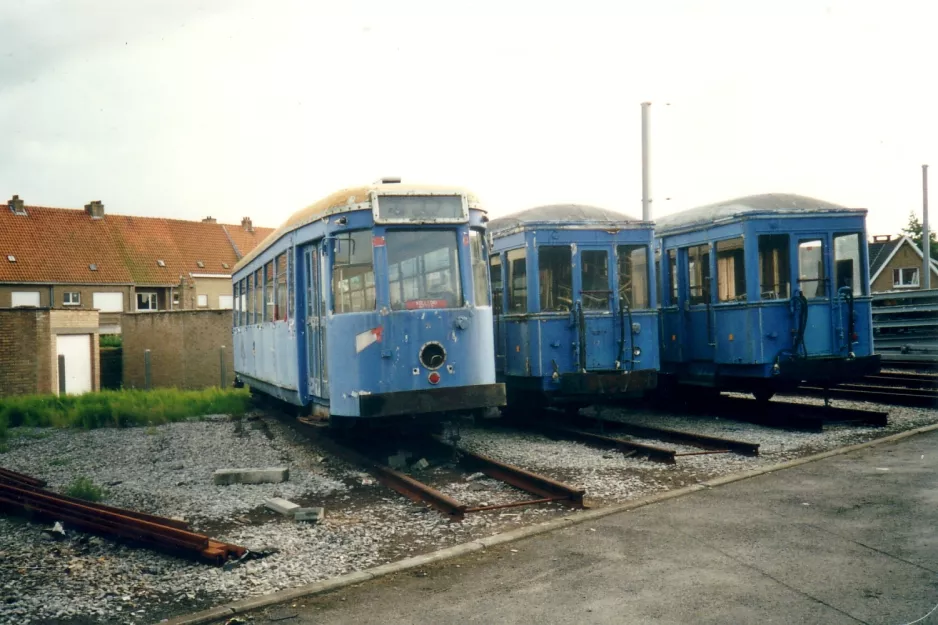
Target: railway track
x,y
893,388
545,489
25,495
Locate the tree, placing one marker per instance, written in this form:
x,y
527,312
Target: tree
x,y
914,231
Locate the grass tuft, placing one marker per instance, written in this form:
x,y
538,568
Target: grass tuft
x,y
83,488
124,408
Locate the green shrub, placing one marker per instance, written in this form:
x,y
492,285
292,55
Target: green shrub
x,y
124,408
83,488
111,340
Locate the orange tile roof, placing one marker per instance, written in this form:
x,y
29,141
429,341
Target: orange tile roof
x,y
57,245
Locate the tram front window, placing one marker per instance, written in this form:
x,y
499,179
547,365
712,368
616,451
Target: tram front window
x,y
423,269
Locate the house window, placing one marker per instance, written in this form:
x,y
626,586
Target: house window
x,y
175,299
146,302
71,298
202,301
225,302
905,277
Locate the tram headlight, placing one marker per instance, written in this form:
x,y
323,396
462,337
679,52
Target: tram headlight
x,y
432,355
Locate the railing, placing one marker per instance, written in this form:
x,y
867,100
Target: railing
x,y
905,325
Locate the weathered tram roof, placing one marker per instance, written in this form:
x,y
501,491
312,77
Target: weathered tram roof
x,y
749,206
345,200
576,215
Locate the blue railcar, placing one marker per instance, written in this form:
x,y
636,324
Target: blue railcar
x,y
761,293
372,303
575,313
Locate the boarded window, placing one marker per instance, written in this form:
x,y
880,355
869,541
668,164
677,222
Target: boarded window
x,y
698,274
108,302
478,252
555,274
774,272
280,296
812,278
202,300
731,270
633,275
517,282
495,275
847,262
353,273
25,298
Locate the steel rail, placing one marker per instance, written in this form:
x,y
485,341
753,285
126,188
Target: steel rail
x,y
655,453
705,441
883,395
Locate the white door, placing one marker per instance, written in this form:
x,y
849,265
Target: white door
x,y
25,298
77,351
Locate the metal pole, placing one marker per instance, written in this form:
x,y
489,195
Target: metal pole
x,y
926,239
224,367
646,164
61,374
146,369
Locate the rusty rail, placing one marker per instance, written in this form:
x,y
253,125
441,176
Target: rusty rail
x,y
716,444
149,530
658,454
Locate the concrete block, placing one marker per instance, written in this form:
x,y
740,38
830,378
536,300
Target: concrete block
x,y
281,506
312,515
270,475
420,465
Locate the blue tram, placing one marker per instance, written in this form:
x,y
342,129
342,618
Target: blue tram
x,y
374,302
574,305
761,293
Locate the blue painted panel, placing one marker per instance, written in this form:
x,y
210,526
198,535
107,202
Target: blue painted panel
x,y
673,335
818,334
387,365
699,334
517,341
555,340
737,333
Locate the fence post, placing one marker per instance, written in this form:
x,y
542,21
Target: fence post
x,y
224,368
146,369
61,374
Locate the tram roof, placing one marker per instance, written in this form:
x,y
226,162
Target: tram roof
x,y
563,215
766,204
345,200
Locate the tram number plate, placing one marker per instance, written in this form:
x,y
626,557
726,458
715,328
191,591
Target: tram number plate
x,y
419,304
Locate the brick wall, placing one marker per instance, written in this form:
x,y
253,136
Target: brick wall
x,y
25,352
184,348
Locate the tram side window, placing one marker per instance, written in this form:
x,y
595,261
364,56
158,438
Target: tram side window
x,y
517,282
698,274
495,275
291,281
478,252
633,275
243,316
353,273
731,270
555,271
847,262
774,273
811,277
259,296
249,311
672,275
269,301
236,301
280,296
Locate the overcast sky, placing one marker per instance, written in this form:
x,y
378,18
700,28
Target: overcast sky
x,y
187,108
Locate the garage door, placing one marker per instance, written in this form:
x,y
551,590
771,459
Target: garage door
x,y
108,302
25,298
77,351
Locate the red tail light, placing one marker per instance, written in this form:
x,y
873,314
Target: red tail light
x,y
434,377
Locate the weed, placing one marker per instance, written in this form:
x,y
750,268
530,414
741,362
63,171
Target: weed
x,y
83,488
124,408
151,431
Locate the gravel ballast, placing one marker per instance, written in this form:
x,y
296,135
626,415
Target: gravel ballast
x,y
167,470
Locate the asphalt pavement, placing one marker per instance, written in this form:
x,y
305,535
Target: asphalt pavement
x,y
848,539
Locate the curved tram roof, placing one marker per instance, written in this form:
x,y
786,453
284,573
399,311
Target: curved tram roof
x,y
349,199
750,206
564,215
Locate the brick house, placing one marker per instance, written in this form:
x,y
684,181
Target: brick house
x,y
896,264
66,258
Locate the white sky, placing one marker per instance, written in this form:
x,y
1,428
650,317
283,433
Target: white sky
x,y
182,108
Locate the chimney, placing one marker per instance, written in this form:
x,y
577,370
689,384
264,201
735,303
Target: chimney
x,y
95,209
209,220
16,205
882,238
246,224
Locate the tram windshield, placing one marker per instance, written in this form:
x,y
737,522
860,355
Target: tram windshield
x,y
423,269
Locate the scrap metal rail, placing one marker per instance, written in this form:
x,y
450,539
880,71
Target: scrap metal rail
x,y
715,444
24,495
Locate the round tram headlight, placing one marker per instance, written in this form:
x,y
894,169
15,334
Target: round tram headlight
x,y
432,355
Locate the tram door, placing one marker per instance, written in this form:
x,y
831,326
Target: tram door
x,y
595,321
315,326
